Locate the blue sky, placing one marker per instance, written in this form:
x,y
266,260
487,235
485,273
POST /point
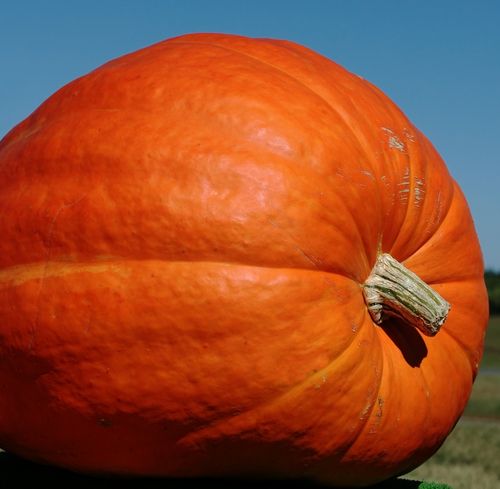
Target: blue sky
x,y
437,59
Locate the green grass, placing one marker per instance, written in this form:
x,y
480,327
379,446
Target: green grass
x,y
491,357
402,483
433,485
468,459
485,398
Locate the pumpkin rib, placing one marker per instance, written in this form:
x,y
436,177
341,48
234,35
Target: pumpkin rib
x,y
376,393
429,238
366,244
269,403
293,48
411,188
372,168
300,50
425,383
294,242
315,93
306,88
446,350
464,348
382,98
369,421
377,424
431,190
45,266
284,166
475,272
379,94
267,64
466,316
423,405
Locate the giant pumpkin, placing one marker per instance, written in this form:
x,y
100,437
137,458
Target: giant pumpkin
x,y
224,256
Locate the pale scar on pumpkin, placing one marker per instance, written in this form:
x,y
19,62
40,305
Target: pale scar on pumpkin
x,y
21,274
394,141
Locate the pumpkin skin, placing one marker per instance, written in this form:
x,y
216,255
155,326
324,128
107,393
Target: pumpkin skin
x,y
185,233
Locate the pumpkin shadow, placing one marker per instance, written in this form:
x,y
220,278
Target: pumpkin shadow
x,y
16,472
407,339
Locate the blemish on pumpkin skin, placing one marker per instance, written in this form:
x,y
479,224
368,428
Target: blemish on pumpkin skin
x,y
408,135
323,380
419,191
368,174
404,186
312,259
378,415
394,141
380,410
365,411
106,423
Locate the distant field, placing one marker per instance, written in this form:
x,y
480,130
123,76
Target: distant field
x,y
470,457
485,398
491,357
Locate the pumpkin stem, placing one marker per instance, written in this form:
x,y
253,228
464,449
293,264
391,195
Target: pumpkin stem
x,y
393,290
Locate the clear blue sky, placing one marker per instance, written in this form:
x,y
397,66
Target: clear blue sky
x,y
437,59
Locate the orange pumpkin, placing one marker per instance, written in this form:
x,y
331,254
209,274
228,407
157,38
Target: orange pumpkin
x,y
188,235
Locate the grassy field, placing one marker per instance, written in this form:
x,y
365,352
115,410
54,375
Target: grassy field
x,y
491,357
470,457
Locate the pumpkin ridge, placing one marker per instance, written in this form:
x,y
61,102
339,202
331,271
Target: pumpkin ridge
x,y
423,163
463,348
289,47
441,223
187,439
308,89
425,384
382,98
269,65
376,394
284,166
97,266
411,188
427,426
379,199
371,420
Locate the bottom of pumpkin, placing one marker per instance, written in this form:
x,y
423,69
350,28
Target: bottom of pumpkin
x,y
16,471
